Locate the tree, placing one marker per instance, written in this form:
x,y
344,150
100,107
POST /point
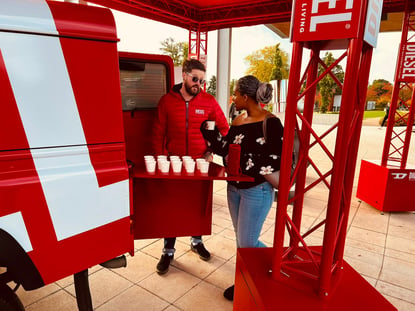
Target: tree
x,y
327,86
262,62
211,89
178,51
279,71
380,91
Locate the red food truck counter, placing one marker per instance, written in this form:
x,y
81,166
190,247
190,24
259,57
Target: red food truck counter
x,y
175,204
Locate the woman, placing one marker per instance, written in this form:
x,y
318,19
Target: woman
x,y
250,202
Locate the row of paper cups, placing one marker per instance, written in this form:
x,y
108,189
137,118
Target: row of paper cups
x,y
176,163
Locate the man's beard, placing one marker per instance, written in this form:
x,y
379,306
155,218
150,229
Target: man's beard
x,y
191,89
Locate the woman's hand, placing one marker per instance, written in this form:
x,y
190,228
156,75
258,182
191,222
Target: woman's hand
x,y
208,156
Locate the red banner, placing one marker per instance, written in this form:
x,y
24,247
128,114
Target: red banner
x,y
406,65
325,19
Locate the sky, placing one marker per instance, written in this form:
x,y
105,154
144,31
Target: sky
x,y
145,36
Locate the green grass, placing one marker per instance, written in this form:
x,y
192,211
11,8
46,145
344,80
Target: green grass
x,y
373,114
367,114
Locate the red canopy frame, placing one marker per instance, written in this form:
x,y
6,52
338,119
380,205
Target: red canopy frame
x,y
210,15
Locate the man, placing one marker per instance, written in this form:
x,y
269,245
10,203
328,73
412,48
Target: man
x,y
180,114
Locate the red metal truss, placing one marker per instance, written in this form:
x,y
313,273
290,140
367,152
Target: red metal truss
x,y
398,138
393,6
171,12
185,15
316,265
245,14
198,45
212,14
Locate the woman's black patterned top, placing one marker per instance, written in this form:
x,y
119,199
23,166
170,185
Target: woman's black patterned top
x,y
258,157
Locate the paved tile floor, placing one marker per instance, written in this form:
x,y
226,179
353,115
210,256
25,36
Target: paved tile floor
x,y
381,247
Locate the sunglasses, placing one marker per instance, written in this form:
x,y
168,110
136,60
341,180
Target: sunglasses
x,y
196,79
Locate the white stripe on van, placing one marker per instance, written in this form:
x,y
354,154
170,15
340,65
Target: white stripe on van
x,y
26,16
47,107
75,201
14,225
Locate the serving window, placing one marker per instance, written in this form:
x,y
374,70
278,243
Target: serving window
x,y
142,84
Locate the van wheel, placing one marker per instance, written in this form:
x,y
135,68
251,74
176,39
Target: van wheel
x,y
9,300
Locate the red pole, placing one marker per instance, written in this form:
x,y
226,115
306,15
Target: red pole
x,y
341,152
354,148
390,124
305,142
286,158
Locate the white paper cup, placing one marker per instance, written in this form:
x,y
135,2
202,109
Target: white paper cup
x,y
210,125
184,158
162,156
164,166
150,166
189,166
198,161
174,157
176,166
204,167
149,157
188,160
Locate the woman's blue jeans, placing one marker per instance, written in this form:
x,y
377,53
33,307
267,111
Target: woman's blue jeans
x,y
248,209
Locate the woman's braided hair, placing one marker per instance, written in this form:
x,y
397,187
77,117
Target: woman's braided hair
x,y
252,87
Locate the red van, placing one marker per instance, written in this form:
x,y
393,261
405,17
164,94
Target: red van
x,y
68,132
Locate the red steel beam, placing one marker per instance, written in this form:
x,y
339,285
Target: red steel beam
x,y
185,15
206,17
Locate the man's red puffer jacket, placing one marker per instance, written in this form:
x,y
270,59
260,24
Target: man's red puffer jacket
x,y
177,124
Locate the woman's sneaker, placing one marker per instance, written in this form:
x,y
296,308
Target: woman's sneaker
x,y
228,293
164,263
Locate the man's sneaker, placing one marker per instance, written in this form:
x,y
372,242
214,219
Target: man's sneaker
x,y
201,250
228,293
164,263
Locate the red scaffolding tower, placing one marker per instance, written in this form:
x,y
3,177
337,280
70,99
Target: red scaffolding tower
x,y
382,183
295,275
198,45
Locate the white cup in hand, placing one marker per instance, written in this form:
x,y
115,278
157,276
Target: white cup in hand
x,y
210,125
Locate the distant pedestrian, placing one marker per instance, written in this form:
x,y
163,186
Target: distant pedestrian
x,y
385,119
